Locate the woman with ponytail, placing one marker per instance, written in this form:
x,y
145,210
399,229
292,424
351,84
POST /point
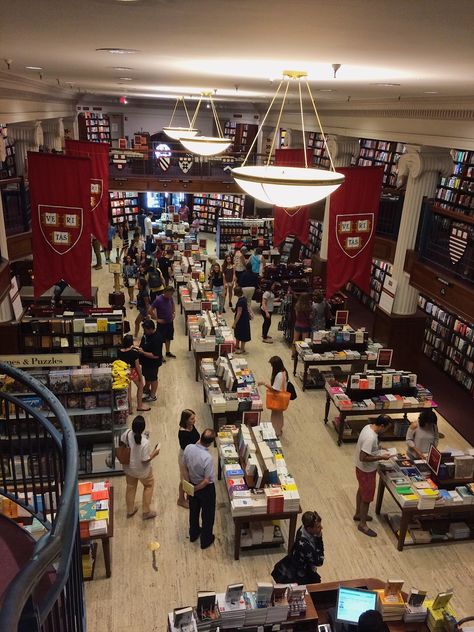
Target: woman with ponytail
x,y
139,467
187,434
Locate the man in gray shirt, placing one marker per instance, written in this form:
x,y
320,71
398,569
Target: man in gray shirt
x,y
200,468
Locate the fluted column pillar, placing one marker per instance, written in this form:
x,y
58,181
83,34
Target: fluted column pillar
x,y
27,137
53,134
342,150
423,166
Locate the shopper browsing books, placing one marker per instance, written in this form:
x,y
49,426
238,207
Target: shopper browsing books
x,y
143,303
151,358
307,554
303,317
321,312
163,311
200,473
239,260
139,468
129,354
156,281
242,320
422,434
165,264
255,261
367,455
229,277
187,435
266,309
248,282
216,283
183,212
130,274
278,383
148,232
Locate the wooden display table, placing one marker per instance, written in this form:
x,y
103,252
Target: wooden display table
x,y
198,356
69,298
106,536
320,363
450,513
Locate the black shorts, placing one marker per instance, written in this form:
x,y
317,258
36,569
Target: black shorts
x,y
166,330
150,373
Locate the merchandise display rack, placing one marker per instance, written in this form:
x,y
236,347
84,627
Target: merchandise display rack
x,y
456,193
94,127
449,342
124,206
381,153
254,232
209,207
378,272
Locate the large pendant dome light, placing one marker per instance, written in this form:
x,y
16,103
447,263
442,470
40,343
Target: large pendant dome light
x,y
288,187
181,132
207,145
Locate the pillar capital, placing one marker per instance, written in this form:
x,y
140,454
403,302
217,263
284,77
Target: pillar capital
x,y
419,160
28,132
343,149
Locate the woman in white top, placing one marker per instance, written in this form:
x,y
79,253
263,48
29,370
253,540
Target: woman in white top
x,y
422,434
139,468
267,308
278,382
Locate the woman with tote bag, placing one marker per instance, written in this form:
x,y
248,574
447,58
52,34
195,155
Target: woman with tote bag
x,y
278,396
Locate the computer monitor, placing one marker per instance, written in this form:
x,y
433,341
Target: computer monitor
x,y
352,602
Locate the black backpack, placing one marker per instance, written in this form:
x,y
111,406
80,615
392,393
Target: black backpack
x,y
155,280
291,390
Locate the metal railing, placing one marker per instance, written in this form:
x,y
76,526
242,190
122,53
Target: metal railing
x,y
38,471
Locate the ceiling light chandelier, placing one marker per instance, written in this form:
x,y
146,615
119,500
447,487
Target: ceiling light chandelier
x,y
288,187
207,145
181,132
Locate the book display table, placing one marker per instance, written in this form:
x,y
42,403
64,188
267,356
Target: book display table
x,y
208,337
441,514
104,537
363,403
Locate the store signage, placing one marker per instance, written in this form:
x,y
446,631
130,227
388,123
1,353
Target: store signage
x,y
384,357
43,360
342,317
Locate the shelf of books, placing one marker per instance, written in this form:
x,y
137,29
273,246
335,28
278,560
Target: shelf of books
x,y
94,126
124,206
456,193
253,232
96,508
209,207
235,609
8,166
381,153
365,394
242,135
97,411
378,272
320,155
314,242
449,342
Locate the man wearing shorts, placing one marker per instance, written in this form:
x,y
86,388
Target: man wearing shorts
x,y
367,455
163,310
151,358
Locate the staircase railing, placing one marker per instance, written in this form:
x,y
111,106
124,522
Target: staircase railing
x,y
38,471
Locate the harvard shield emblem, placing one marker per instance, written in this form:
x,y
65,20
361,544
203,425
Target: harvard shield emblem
x,y
185,162
292,211
61,226
457,244
163,156
97,191
353,232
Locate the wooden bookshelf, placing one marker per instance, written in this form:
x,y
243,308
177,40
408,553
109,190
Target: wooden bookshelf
x,y
254,232
242,135
314,243
209,207
456,193
449,342
94,127
381,153
320,155
124,206
378,272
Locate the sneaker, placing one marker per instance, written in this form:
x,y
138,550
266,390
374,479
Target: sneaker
x,y
97,267
206,546
267,340
170,355
151,398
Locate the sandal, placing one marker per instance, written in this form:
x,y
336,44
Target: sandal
x,y
149,516
130,515
370,532
143,410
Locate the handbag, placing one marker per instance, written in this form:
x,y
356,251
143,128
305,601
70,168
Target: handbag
x,y
291,390
277,400
131,281
122,452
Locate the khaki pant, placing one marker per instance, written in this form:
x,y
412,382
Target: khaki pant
x,y
148,486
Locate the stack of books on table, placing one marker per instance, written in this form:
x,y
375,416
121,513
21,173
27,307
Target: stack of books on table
x,y
254,615
207,612
87,560
415,610
232,613
278,610
390,603
459,530
93,509
420,536
438,609
296,600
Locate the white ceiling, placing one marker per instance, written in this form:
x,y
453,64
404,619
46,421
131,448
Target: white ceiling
x,y
238,47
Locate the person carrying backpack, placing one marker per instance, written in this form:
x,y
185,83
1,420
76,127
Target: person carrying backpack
x,y
156,282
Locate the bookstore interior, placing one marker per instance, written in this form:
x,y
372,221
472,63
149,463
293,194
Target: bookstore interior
x,y
273,282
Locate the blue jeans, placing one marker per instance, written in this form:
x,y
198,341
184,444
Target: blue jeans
x,y
219,294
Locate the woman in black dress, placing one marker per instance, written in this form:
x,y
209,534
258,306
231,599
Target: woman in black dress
x,y
128,353
242,319
187,435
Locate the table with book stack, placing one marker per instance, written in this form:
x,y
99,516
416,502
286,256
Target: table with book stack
x,y
432,510
259,487
195,298
96,522
368,394
208,337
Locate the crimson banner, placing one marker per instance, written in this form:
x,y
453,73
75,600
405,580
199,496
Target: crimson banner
x,y
99,187
60,220
292,221
353,210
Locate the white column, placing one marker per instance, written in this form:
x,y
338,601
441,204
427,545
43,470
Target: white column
x,y
423,166
27,137
53,133
6,313
342,150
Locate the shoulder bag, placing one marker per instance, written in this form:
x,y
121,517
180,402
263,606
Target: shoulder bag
x,y
122,452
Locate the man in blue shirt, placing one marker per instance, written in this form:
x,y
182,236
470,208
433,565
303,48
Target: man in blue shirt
x,y
255,260
200,468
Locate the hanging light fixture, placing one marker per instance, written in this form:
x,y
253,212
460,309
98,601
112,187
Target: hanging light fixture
x,y
181,132
207,145
288,187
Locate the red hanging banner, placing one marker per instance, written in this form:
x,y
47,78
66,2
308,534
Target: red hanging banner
x,y
60,221
353,210
99,187
291,221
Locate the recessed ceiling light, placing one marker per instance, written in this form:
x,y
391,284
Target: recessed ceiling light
x,y
118,51
431,92
122,68
386,85
325,90
125,78
33,67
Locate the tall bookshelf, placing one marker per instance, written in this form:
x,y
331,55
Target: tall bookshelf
x,y
209,207
241,134
378,272
124,205
254,232
320,155
381,153
94,126
456,193
314,242
8,166
449,342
